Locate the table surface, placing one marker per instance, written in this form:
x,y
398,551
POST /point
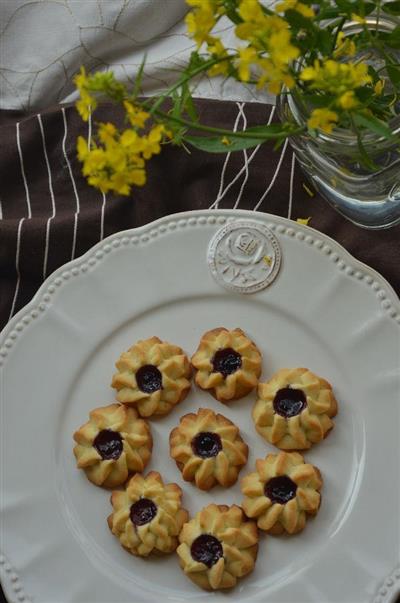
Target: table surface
x,y
49,215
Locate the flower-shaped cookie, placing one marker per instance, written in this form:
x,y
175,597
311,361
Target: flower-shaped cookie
x,y
153,376
208,449
147,516
218,546
228,364
282,492
294,409
112,444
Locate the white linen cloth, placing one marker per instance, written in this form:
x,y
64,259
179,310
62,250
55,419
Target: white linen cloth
x,y
44,42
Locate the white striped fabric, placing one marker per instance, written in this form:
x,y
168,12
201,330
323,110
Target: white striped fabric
x,y
228,156
271,184
103,207
14,301
21,159
53,203
289,215
246,162
77,202
243,169
21,221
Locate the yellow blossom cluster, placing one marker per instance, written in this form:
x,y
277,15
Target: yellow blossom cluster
x,y
300,7
323,119
339,79
270,51
202,18
345,46
86,102
117,161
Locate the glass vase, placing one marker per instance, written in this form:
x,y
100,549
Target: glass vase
x,y
368,198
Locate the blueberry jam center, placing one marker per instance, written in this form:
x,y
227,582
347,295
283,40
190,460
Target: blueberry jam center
x,y
206,549
143,511
108,444
280,489
206,444
226,361
149,379
289,402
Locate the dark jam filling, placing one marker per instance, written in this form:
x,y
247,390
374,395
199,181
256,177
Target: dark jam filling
x,y
108,444
143,511
226,361
206,549
289,402
149,379
206,444
280,489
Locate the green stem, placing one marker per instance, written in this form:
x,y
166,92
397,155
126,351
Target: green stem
x,y
222,131
204,67
378,15
337,31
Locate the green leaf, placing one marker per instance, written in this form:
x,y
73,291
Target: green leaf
x,y
138,79
214,144
393,39
191,109
368,8
393,72
364,94
393,8
345,6
297,21
324,40
328,13
373,124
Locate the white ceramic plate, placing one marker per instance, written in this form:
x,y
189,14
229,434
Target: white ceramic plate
x,y
325,311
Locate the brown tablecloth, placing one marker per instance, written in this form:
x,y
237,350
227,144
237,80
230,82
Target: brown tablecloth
x,y
49,214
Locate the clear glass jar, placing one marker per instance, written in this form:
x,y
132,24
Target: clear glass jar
x,y
370,199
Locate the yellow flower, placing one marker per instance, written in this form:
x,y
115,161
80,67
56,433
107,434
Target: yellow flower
x,y
348,100
303,9
121,182
86,102
323,119
344,46
136,116
379,86
131,140
258,27
107,133
247,57
95,161
280,48
151,143
216,48
250,10
225,140
201,20
274,77
82,147
338,79
221,68
358,18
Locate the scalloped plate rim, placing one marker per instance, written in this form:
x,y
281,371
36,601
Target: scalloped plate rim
x,y
186,215
12,587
